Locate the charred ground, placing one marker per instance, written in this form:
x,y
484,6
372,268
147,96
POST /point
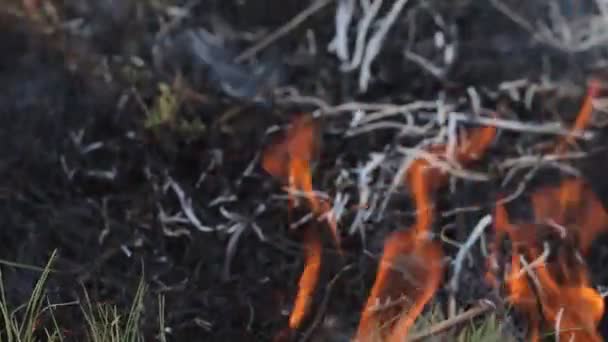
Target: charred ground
x,y
86,171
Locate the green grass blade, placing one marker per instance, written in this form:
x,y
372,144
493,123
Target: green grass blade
x,y
34,305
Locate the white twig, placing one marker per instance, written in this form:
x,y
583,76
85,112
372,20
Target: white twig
x,y
370,12
246,221
231,248
450,150
563,231
363,181
177,218
425,64
337,210
383,110
530,160
292,192
109,175
529,267
302,221
400,127
408,159
511,125
475,100
186,205
283,30
222,199
603,290
464,250
344,16
375,42
444,166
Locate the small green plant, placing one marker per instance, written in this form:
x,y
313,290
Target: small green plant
x,y
166,113
165,108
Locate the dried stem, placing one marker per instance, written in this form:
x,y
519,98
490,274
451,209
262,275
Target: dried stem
x,y
482,308
283,30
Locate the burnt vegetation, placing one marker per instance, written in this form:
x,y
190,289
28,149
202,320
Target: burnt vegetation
x,y
305,170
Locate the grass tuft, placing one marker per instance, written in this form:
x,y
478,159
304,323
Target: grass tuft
x,y
103,322
489,330
106,322
21,328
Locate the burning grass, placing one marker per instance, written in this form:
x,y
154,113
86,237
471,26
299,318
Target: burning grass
x,y
554,294
550,282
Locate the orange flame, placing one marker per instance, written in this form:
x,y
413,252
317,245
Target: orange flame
x,y
574,206
411,263
424,180
556,292
308,280
584,115
421,178
410,266
476,145
553,287
290,161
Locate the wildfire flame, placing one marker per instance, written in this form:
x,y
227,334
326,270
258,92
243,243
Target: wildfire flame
x,y
550,284
308,280
546,278
584,115
410,266
290,161
410,272
573,207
